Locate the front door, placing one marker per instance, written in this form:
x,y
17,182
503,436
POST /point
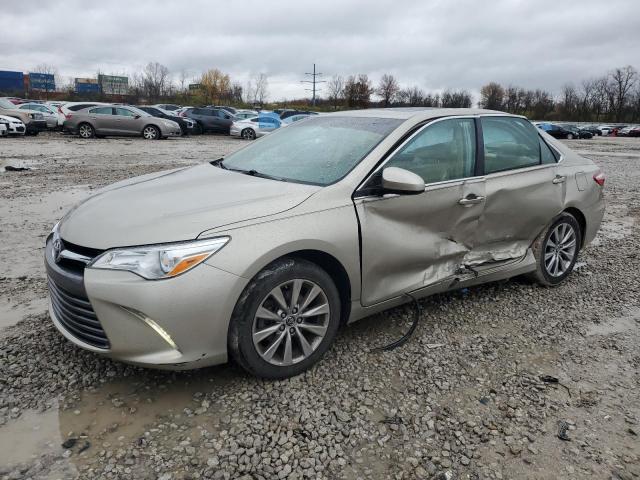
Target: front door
x,y
524,190
103,120
412,241
126,121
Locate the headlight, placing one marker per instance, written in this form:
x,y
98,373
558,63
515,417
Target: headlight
x,y
155,262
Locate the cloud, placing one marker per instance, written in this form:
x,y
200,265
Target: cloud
x,y
433,44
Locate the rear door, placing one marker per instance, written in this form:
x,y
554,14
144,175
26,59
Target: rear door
x,y
523,188
412,241
103,120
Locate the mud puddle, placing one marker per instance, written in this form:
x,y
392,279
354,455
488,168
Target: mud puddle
x,y
621,324
79,428
12,312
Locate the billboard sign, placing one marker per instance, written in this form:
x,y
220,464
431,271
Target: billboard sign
x,y
194,86
42,81
113,84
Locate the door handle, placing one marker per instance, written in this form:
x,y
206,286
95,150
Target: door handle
x,y
560,179
471,200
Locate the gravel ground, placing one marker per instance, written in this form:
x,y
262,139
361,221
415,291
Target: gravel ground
x,y
507,380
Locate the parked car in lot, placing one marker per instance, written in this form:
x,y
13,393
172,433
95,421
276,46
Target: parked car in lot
x,y
170,107
34,122
556,131
577,131
252,128
289,113
4,128
605,129
15,126
100,121
210,119
186,124
594,130
50,115
262,255
634,131
244,114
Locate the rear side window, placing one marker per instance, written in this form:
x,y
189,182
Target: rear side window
x,y
509,143
102,111
546,154
75,108
445,150
124,112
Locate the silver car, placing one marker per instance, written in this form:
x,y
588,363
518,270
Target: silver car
x,y
263,255
117,120
50,116
254,127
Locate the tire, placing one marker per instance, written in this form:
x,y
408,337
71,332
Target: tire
x,y
549,272
151,132
248,134
278,352
570,136
197,129
85,130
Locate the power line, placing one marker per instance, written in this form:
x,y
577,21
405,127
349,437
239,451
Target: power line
x,y
314,80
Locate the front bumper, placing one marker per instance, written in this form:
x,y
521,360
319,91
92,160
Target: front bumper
x,y
178,323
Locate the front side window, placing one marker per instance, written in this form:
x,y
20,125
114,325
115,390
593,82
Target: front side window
x,y
319,151
445,150
509,143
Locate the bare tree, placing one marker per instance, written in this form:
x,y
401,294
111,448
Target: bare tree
x,y
358,90
622,81
155,79
215,85
258,90
335,87
492,96
456,99
569,102
388,88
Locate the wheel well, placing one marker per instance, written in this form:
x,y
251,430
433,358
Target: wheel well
x,y
154,126
337,273
582,221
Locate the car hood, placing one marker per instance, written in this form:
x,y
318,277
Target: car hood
x,y
176,205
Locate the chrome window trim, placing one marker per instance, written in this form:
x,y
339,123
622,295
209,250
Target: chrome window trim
x,y
407,140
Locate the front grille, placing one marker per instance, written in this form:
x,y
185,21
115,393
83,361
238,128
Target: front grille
x,y
20,129
76,314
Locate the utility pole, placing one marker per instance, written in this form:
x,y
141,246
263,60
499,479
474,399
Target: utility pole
x,y
313,81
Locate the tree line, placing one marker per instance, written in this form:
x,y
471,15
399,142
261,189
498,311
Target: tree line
x,y
614,97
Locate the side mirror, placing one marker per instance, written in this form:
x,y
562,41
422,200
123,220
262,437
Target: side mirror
x,y
136,116
401,181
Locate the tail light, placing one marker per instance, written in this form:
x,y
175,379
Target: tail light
x,y
599,178
68,116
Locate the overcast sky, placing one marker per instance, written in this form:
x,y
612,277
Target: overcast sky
x,y
432,44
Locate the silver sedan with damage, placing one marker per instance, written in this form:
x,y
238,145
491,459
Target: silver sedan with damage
x,y
263,255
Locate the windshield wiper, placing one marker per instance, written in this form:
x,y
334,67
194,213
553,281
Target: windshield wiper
x,y
255,173
218,163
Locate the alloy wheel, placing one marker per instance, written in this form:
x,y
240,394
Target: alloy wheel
x,y
248,134
291,322
85,131
150,133
560,250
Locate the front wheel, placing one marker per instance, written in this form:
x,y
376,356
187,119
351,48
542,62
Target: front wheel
x,y
556,250
570,136
151,132
285,320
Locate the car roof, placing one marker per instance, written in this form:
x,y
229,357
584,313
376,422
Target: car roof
x,y
424,113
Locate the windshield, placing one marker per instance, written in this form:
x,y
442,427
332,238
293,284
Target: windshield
x,y
319,151
4,103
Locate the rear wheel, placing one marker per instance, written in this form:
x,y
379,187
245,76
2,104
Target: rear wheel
x,y
197,129
285,320
570,136
151,132
248,134
556,250
86,131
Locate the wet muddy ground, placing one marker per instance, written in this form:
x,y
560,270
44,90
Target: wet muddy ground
x,y
472,395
